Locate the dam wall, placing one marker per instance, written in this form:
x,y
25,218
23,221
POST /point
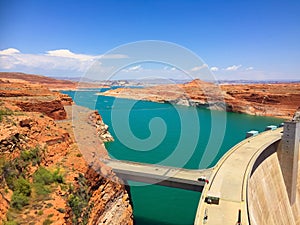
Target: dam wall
x,y
268,200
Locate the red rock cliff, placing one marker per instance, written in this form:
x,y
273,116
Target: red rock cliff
x,y
37,137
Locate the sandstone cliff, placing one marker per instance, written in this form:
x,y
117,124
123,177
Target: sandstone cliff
x,y
44,178
34,98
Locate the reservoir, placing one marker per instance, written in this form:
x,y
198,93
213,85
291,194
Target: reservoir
x,y
161,133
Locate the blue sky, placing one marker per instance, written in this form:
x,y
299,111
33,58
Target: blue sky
x,y
257,39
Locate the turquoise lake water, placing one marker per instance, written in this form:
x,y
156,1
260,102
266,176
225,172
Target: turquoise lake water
x,y
169,135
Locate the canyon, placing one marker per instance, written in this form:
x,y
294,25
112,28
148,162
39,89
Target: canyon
x,y
45,176
43,131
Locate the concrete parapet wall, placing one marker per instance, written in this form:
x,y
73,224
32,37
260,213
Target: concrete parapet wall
x,y
268,200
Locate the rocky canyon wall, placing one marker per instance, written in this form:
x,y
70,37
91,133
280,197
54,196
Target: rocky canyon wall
x,y
44,177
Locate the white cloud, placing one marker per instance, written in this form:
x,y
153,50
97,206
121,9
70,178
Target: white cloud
x,y
233,68
168,68
9,51
135,68
197,68
54,62
250,68
65,53
214,69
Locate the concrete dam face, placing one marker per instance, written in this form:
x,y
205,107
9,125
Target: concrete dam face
x,y
256,182
269,200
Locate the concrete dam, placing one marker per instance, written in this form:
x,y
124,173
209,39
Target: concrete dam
x,y
256,182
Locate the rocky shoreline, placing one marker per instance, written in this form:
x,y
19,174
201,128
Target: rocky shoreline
x,y
276,100
101,128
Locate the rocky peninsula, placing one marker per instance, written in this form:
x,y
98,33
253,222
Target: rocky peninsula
x,y
277,99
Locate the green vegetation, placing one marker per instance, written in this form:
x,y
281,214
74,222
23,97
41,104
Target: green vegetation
x,y
78,201
5,112
22,191
2,163
61,210
33,155
10,173
42,178
19,200
47,221
15,172
28,188
16,168
11,222
22,186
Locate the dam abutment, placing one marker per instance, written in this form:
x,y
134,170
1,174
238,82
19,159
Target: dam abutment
x,y
288,156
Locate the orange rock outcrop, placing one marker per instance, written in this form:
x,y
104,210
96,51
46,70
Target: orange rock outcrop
x,y
34,98
277,99
31,116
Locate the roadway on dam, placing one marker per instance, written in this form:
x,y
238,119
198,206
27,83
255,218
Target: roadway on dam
x,y
161,175
229,181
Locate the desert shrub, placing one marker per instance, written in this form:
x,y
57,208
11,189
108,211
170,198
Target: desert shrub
x,y
43,176
61,210
10,174
77,204
58,177
11,222
2,177
5,112
49,205
22,186
19,200
79,201
12,170
33,155
41,189
22,191
47,222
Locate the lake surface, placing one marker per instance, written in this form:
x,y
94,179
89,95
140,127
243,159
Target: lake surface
x,y
169,135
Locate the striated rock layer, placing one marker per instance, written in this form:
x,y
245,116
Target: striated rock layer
x,y
34,98
37,134
277,100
